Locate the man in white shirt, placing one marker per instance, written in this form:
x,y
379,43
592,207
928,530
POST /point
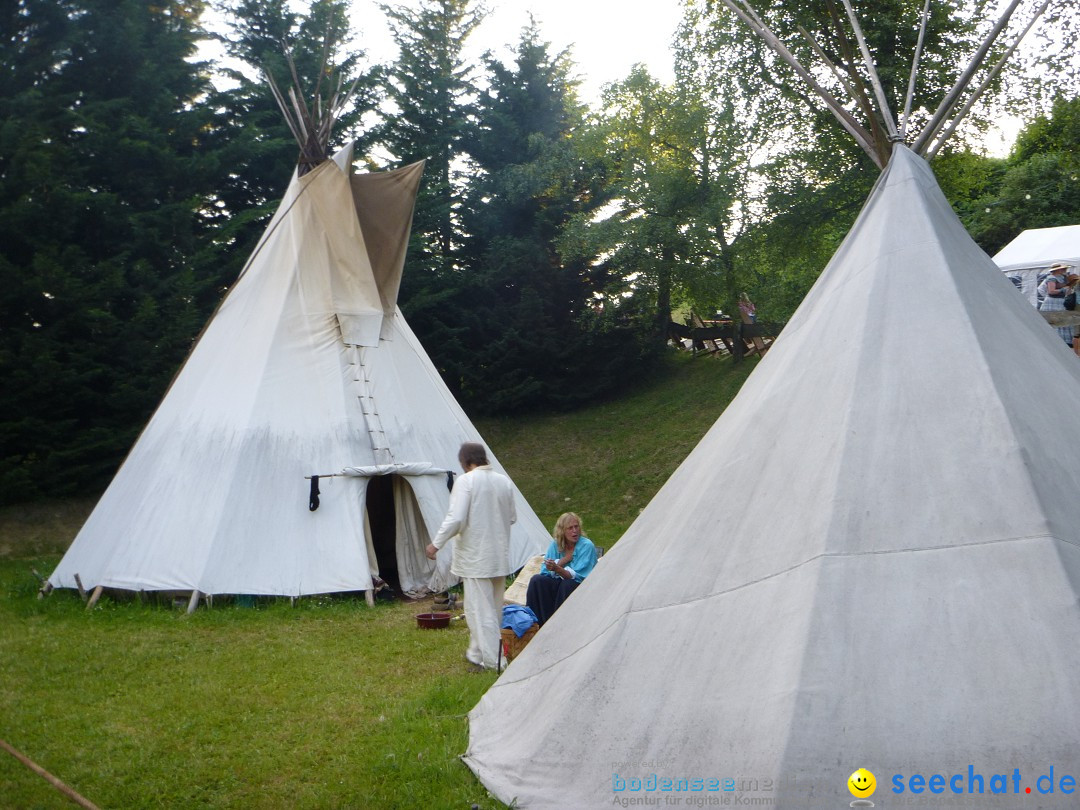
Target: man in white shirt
x,y
481,513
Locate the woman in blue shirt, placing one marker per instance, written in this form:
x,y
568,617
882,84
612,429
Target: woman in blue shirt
x,y
569,559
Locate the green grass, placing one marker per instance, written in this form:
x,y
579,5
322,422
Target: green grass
x,y
329,704
325,704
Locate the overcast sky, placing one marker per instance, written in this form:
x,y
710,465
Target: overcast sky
x,y
607,37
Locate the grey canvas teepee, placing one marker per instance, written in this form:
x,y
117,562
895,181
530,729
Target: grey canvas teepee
x,y
871,560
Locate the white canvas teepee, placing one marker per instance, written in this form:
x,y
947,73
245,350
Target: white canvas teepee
x,y
308,367
872,560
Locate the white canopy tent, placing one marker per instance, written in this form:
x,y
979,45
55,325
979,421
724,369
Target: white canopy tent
x,y
871,560
1026,259
307,368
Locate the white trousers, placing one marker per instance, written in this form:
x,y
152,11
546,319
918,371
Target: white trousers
x,y
483,609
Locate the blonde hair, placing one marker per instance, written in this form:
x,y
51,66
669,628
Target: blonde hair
x,y
560,529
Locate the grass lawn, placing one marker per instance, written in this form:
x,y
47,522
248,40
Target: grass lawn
x,y
326,704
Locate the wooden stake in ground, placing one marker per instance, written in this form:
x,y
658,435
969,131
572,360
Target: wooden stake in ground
x,y
94,597
56,783
46,587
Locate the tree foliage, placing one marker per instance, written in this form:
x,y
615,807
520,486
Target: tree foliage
x,y
103,171
1037,186
431,92
550,243
537,334
815,178
655,144
263,36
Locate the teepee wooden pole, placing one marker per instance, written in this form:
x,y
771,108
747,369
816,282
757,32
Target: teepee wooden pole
x,y
949,102
994,71
80,800
914,69
283,105
302,112
312,124
857,93
76,797
875,80
856,90
861,136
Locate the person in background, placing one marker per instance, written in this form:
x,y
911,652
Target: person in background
x,y
1052,291
747,309
480,515
569,559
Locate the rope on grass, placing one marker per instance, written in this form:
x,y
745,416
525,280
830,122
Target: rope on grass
x,y
56,783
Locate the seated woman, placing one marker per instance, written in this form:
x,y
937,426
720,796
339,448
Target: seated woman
x,y
570,558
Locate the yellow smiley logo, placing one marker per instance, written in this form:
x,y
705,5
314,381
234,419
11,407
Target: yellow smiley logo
x,y
862,783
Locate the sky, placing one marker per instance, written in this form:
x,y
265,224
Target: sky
x,y
606,37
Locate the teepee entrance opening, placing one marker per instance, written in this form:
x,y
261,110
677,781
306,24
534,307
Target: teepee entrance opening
x,y
379,501
397,534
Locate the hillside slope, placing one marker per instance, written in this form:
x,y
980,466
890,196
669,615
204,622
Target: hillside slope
x,y
606,461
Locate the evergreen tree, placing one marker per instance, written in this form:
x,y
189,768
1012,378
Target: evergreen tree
x,y
264,35
531,312
431,95
103,177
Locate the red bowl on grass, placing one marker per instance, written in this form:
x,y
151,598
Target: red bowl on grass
x,y
433,621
